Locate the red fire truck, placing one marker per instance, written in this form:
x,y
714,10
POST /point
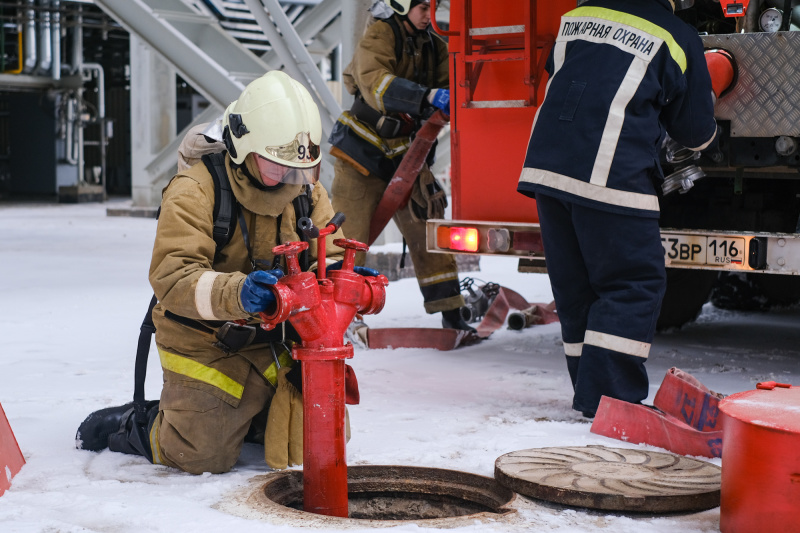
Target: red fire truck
x,y
729,221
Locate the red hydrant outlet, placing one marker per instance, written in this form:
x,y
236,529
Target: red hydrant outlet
x,y
320,309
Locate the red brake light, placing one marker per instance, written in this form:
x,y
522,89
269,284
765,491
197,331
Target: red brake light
x,y
463,239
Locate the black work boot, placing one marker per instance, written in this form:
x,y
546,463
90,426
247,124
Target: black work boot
x,y
93,432
452,319
118,429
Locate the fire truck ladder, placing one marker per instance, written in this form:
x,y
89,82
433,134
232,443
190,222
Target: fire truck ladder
x,y
500,43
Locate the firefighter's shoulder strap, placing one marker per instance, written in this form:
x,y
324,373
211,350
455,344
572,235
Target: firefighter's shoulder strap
x,y
224,202
398,37
224,226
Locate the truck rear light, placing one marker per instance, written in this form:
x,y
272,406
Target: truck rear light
x,y
457,238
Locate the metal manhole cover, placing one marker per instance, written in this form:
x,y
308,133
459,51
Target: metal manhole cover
x,y
611,478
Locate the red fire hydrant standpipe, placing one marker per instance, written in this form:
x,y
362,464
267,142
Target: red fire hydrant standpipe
x,y
320,309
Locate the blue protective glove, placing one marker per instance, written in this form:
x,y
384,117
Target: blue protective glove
x,y
364,271
256,295
440,99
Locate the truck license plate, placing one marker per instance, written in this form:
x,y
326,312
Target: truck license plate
x,y
701,250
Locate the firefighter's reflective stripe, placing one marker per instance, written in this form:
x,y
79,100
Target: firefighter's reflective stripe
x,y
617,344
348,120
271,373
192,369
616,117
588,190
154,444
625,40
380,89
202,295
573,349
437,278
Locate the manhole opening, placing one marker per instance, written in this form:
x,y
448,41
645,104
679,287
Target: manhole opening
x,y
402,493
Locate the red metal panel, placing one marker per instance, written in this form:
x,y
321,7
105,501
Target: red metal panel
x,y
489,144
11,459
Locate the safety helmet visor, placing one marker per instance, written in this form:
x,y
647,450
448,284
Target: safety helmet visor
x,y
273,173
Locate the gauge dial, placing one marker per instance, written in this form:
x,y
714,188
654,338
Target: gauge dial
x,y
770,20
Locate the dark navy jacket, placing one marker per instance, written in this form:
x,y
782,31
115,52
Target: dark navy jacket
x,y
621,72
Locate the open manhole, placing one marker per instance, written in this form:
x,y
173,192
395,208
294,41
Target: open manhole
x,y
612,479
396,493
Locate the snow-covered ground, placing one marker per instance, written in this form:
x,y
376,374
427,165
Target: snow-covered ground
x,y
74,289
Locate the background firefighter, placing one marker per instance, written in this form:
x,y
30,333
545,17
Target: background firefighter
x,y
398,74
219,381
621,73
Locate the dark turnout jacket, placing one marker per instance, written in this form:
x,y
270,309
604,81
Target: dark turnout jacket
x,y
622,72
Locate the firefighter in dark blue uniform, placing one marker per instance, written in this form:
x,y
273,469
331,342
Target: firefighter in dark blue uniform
x,y
622,72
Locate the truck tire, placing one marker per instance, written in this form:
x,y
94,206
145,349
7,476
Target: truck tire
x,y
739,291
687,291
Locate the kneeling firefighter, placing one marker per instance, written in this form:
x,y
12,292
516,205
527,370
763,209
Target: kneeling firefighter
x,y
221,371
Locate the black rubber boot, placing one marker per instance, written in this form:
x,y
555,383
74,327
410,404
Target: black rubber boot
x,y
116,428
93,432
133,435
452,319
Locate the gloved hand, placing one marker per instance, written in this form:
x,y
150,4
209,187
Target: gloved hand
x,y
283,439
364,271
440,99
256,295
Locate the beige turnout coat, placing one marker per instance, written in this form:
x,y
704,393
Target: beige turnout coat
x,y
189,282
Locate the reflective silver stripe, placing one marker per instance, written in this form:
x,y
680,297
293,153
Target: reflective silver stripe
x,y
430,280
616,117
618,344
633,200
202,295
373,139
573,349
705,144
381,89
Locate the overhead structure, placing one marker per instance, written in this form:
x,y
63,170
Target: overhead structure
x,y
191,38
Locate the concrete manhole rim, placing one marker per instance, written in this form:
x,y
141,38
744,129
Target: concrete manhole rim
x,y
540,473
260,500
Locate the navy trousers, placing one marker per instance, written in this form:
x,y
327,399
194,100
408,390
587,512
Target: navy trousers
x,y
608,279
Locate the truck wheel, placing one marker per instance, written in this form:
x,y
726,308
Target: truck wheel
x,y
780,291
687,291
737,291
755,292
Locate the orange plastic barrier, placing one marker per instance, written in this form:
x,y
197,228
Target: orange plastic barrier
x,y
11,459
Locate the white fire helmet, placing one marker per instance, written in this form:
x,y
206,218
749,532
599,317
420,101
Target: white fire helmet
x,y
276,119
402,7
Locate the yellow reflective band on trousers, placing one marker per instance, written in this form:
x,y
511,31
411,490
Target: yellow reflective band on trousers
x,y
271,374
192,369
155,448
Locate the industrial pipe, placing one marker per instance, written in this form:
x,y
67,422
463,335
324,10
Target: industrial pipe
x,y
320,309
55,30
97,68
30,38
45,53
